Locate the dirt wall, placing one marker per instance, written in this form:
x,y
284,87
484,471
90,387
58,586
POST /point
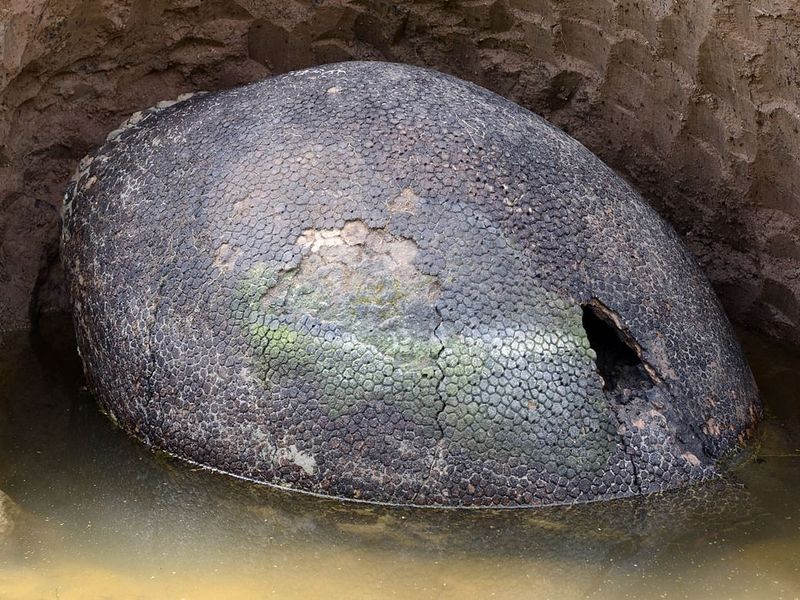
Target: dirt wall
x,y
696,102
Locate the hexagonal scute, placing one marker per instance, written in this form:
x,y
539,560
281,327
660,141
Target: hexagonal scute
x,y
378,282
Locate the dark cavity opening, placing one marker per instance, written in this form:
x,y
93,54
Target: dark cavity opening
x,y
618,359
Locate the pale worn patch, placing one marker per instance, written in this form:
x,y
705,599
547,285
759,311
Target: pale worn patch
x,y
407,202
225,257
294,456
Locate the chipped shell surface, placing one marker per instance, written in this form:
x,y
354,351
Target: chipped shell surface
x,y
366,281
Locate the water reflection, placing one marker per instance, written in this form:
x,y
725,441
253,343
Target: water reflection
x,y
99,516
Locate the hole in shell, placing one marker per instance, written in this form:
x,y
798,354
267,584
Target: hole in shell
x,y
618,356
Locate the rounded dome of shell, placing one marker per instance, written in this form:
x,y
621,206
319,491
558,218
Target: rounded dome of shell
x,y
378,282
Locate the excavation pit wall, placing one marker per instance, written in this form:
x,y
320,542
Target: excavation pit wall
x,y
695,103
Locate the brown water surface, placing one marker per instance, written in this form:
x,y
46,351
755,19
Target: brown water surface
x,y
95,515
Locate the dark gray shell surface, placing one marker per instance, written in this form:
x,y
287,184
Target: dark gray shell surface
x,y
378,282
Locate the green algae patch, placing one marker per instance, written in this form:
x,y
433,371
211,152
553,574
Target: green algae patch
x,y
354,322
357,325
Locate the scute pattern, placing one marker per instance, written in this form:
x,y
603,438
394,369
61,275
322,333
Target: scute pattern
x,y
365,281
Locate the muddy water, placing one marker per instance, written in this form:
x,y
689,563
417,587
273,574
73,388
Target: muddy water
x,y
94,515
